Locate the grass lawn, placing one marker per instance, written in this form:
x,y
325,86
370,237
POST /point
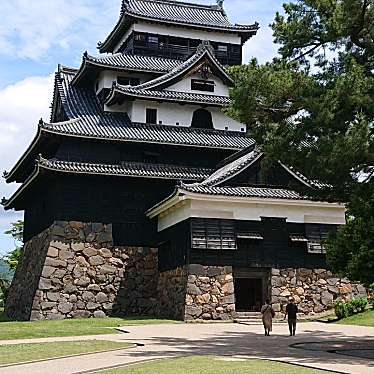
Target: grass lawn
x,y
212,365
362,319
69,327
11,354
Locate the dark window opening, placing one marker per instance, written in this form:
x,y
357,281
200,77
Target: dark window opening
x,y
202,119
151,116
127,81
201,85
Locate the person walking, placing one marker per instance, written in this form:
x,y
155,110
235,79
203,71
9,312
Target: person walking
x,y
267,317
291,313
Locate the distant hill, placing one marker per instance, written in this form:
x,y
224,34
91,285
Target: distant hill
x,y
4,270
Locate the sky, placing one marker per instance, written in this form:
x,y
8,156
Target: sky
x,y
36,36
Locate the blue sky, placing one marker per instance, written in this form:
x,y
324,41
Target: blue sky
x,y
35,36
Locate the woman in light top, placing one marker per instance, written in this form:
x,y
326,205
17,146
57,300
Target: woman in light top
x,y
267,317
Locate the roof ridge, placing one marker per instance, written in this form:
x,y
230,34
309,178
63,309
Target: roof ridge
x,y
214,7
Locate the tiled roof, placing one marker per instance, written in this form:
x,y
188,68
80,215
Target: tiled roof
x,y
124,62
259,192
233,168
128,169
162,134
135,62
303,179
87,119
173,12
169,96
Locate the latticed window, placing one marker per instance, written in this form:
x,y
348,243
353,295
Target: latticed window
x,y
213,234
316,235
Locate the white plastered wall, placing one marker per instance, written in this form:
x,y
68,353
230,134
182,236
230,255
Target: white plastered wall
x,y
184,85
173,113
107,77
253,210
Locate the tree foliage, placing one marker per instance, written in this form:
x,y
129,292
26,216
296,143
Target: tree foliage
x,y
13,256
313,109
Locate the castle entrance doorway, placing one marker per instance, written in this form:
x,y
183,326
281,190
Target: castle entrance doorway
x,y
251,289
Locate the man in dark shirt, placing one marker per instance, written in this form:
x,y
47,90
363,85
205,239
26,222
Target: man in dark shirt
x,y
291,312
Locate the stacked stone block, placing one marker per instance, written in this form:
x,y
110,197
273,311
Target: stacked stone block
x,y
210,293
83,275
314,290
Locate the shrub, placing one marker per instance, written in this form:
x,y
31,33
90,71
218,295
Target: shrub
x,y
371,295
341,309
359,305
349,308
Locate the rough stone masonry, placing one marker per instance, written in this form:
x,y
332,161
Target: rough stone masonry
x,y
73,270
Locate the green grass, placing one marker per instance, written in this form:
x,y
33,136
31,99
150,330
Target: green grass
x,y
68,327
212,365
362,319
11,354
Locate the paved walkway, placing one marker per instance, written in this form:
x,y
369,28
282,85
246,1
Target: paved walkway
x,y
318,345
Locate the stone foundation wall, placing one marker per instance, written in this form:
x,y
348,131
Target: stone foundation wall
x,y
73,270
26,278
314,290
172,293
210,293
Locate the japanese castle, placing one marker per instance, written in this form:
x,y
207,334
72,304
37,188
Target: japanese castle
x,y
141,197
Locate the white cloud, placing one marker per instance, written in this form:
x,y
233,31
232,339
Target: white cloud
x,y
21,106
29,29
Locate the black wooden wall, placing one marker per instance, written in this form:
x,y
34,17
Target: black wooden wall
x,y
276,249
116,152
118,200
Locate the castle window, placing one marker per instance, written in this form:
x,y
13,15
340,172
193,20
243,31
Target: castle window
x,y
151,116
201,85
202,119
213,234
153,39
127,81
141,38
222,48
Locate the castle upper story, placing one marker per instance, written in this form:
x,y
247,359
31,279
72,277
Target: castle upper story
x,y
174,29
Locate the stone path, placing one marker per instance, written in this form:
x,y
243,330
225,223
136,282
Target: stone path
x,y
346,349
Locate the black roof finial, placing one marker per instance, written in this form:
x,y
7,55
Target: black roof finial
x,y
220,3
4,201
41,122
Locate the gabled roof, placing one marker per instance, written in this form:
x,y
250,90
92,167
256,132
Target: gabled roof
x,y
119,91
85,118
123,62
156,88
126,169
211,17
232,168
204,55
